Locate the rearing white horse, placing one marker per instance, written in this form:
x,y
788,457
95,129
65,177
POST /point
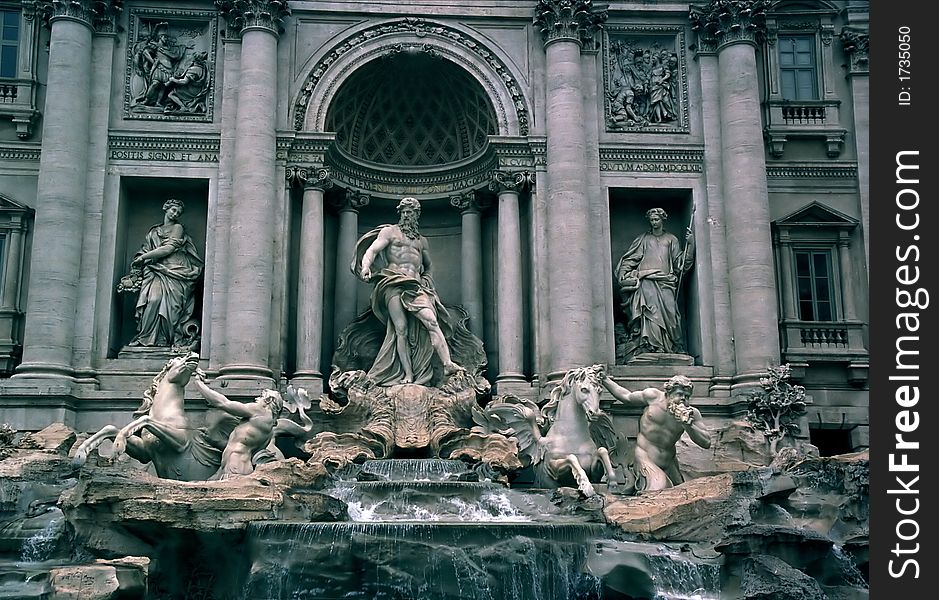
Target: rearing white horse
x,y
161,433
568,441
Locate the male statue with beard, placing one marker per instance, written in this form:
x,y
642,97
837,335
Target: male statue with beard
x,y
666,416
404,299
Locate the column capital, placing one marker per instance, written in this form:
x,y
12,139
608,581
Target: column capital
x,y
856,45
468,202
308,177
243,15
511,181
720,23
100,15
569,20
353,200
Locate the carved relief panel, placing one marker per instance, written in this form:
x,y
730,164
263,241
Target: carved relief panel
x,y
645,79
170,65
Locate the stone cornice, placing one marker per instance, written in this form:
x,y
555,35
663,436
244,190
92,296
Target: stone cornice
x,y
652,160
856,45
571,20
721,23
243,15
422,29
381,180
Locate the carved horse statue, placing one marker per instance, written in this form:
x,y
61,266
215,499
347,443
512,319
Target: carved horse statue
x,y
569,440
161,433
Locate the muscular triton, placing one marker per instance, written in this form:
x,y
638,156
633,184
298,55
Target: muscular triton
x,y
667,415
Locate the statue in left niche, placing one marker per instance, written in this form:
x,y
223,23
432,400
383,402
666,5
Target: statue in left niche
x,y
163,274
163,80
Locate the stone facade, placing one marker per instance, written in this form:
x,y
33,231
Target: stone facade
x,y
535,134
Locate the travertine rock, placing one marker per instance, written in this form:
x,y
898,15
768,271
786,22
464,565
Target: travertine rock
x,y
735,446
117,512
104,580
57,437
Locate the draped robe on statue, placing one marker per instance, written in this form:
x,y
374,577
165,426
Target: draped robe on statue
x,y
359,340
653,321
166,300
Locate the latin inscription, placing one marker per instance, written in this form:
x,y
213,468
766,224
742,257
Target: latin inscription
x,y
164,156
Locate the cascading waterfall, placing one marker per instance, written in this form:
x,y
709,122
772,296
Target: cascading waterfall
x,y
422,529
677,578
44,542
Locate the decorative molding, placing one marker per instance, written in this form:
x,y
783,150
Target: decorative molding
x,y
468,203
197,35
508,181
254,14
463,177
422,29
308,177
108,15
294,150
100,15
19,154
174,149
628,86
641,160
353,200
570,20
726,22
856,45
845,170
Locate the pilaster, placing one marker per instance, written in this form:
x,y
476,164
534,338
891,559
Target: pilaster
x,y
856,45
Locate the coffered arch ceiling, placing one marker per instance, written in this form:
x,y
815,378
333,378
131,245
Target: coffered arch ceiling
x,y
411,110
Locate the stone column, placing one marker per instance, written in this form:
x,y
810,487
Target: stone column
x,y
857,46
346,304
734,27
311,272
716,231
570,300
254,191
786,277
510,310
471,259
9,295
60,197
847,282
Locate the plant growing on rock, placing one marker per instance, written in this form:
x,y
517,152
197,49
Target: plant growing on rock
x,y
776,407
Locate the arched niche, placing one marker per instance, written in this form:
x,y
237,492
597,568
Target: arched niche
x,y
336,65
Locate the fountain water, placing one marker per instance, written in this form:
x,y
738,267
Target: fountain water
x,y
426,536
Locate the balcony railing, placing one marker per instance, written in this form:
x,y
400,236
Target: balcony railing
x,y
786,120
18,102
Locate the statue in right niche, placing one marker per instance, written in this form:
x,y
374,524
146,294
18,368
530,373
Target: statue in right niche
x,y
649,275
